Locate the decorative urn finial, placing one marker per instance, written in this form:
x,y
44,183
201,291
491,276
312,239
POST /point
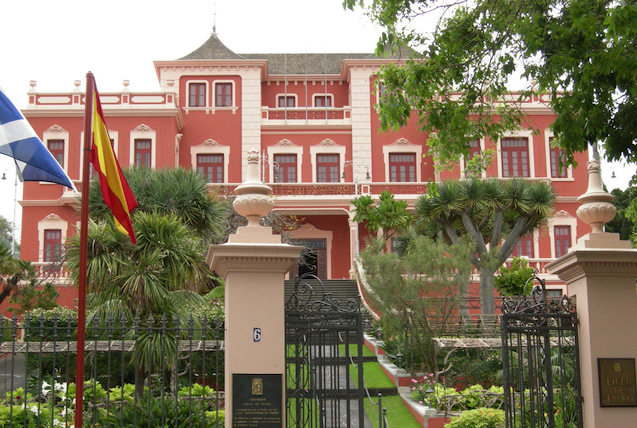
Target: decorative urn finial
x,y
597,208
253,197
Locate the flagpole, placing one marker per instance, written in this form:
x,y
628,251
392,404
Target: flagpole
x,y
81,298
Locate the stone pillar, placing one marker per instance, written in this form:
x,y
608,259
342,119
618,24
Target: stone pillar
x,y
600,272
253,264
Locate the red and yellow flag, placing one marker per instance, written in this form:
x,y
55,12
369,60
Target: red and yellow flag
x,y
115,190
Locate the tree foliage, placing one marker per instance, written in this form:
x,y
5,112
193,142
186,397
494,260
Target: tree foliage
x,y
624,222
175,191
416,294
389,215
580,53
493,213
514,281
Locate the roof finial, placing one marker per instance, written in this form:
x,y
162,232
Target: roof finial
x,y
214,18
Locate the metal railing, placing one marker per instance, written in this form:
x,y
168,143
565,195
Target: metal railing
x,y
138,372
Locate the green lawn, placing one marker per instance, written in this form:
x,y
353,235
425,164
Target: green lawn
x,y
397,414
374,376
353,351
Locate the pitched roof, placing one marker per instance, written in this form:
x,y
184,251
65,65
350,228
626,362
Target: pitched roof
x,y
298,63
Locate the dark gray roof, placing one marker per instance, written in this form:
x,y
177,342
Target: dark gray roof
x,y
310,63
213,48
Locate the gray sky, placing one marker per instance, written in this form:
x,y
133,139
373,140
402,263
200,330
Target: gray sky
x,y
57,42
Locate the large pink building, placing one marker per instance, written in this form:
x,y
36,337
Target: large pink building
x,y
312,118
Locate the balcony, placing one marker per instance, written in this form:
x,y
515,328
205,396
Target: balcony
x,y
304,116
332,189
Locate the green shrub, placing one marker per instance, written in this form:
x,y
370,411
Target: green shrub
x,y
478,418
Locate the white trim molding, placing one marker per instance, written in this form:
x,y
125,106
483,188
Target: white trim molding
x,y
50,222
143,132
402,145
327,146
285,146
211,147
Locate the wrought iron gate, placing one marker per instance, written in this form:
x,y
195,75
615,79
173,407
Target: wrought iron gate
x,y
540,361
324,340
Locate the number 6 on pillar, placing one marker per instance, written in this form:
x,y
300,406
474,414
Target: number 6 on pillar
x,y
256,334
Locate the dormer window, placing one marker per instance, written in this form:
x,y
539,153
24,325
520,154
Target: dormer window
x,y
196,94
286,101
323,101
223,94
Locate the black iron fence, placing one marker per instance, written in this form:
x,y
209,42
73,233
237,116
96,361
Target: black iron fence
x,y
139,372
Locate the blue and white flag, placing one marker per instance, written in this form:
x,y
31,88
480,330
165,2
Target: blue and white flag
x,y
19,141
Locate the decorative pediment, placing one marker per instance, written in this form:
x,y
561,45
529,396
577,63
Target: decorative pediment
x,y
327,142
285,143
402,142
52,217
210,142
143,128
562,214
55,128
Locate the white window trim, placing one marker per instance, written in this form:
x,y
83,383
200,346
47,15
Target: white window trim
x,y
213,104
286,146
402,145
211,147
330,95
143,132
112,134
327,146
296,100
463,162
207,93
548,134
562,218
56,132
50,222
525,133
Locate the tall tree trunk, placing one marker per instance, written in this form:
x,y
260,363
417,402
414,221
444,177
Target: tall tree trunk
x,y
463,295
487,286
140,380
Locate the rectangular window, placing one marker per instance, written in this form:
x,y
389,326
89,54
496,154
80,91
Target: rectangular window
x,y
562,240
211,167
474,148
286,172
524,247
557,157
197,95
223,94
56,147
143,152
402,167
52,245
328,168
515,157
286,101
323,101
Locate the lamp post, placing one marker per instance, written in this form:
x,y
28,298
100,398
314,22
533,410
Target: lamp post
x,y
354,164
264,164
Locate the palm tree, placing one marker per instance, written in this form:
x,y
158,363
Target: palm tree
x,y
159,278
494,213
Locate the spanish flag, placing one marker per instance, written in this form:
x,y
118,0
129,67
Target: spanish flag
x,y
115,190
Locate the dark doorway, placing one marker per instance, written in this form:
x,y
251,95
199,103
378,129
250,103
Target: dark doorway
x,y
313,259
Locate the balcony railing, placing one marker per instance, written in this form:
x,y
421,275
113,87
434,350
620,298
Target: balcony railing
x,y
303,114
337,189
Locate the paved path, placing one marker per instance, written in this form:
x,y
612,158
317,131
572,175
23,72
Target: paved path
x,y
12,372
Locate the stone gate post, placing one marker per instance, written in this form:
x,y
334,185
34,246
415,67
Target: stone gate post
x,y
253,264
600,271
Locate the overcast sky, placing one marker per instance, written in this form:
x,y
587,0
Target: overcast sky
x,y
57,42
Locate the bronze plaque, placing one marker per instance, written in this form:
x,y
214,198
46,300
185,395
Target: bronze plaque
x,y
617,382
257,401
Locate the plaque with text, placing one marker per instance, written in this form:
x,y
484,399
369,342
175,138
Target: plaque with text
x,y
257,401
617,382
